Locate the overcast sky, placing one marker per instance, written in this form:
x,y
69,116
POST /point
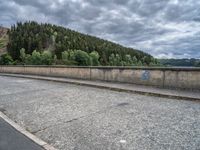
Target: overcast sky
x,y
162,28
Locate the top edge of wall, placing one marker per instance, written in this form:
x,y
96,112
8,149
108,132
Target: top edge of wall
x,y
113,67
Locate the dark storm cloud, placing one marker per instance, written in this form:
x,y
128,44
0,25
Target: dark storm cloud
x,y
163,28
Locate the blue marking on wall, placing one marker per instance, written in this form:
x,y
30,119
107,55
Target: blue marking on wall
x,y
145,75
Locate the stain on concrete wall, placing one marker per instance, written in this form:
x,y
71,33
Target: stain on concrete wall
x,y
145,75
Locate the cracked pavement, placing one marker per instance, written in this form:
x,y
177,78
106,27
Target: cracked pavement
x,y
79,117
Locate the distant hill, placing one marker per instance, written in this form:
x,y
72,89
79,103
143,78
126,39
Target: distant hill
x,y
181,62
33,36
3,40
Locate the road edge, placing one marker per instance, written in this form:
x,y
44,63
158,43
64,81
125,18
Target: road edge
x,y
32,137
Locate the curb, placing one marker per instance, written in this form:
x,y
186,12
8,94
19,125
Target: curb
x,y
107,87
32,137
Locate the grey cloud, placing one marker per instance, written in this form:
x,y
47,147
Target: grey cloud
x,y
163,28
147,8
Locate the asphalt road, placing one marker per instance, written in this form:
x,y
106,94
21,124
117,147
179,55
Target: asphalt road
x,y
11,139
84,118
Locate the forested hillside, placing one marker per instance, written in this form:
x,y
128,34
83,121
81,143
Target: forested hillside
x,y
181,62
72,46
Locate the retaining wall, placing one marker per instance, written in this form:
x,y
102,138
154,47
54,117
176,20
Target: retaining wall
x,y
187,78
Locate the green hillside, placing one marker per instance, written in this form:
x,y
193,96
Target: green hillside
x,y
63,43
181,62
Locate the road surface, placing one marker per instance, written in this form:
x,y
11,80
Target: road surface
x,y
11,139
79,117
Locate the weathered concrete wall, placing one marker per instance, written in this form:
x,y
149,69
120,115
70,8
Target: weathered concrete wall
x,y
182,79
36,70
126,75
188,78
80,73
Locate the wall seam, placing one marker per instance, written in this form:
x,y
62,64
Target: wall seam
x,y
163,78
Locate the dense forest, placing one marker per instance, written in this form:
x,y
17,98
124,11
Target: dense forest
x,y
181,62
31,40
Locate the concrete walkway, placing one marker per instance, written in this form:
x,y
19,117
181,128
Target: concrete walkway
x,y
11,139
122,87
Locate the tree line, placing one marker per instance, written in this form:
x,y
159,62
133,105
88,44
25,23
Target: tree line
x,y
61,43
181,62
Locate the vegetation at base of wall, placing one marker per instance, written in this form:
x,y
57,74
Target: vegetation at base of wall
x,y
36,58
47,37
6,59
69,57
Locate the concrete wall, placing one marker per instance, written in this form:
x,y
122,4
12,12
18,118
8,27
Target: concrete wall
x,y
187,78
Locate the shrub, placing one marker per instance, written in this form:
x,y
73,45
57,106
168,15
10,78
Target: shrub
x,y
65,55
112,60
82,58
71,55
46,58
116,60
94,56
65,58
134,60
128,60
6,59
36,58
22,56
139,63
28,60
